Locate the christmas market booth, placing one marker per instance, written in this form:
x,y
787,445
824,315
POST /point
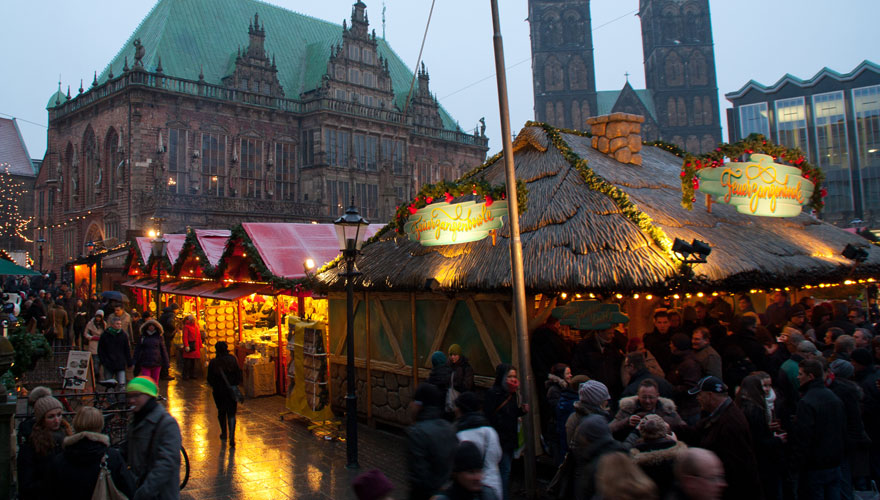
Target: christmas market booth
x,y
142,268
603,217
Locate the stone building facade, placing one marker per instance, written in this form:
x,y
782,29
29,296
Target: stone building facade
x,y
680,103
208,121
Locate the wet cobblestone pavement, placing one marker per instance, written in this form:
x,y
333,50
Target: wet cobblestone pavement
x,y
273,459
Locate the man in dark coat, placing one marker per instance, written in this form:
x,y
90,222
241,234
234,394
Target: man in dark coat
x,y
431,444
114,351
685,374
746,339
169,329
867,375
224,374
153,444
725,431
599,355
776,314
657,341
818,443
638,372
855,464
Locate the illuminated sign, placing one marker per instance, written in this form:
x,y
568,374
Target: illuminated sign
x,y
758,187
454,223
590,315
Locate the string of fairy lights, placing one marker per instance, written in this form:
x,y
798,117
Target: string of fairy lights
x,y
12,222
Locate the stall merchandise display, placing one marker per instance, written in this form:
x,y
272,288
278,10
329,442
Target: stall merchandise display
x,y
220,324
259,376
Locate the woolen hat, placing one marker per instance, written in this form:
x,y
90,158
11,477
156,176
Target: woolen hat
x,y
37,393
594,428
797,310
371,485
438,358
709,384
842,368
143,385
467,458
455,349
652,427
44,405
593,392
99,312
862,356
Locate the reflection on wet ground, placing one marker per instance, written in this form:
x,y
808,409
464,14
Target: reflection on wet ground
x,y
273,459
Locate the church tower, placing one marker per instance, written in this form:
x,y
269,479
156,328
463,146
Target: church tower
x,y
563,75
680,71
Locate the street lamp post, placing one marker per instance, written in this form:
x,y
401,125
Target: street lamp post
x,y
158,251
350,230
41,241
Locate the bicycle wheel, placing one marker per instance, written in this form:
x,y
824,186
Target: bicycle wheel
x,y
184,467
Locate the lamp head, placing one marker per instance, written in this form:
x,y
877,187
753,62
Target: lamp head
x,y
855,253
701,248
309,264
351,229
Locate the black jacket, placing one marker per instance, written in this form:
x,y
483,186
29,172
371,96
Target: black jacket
x,y
167,322
462,375
658,344
431,444
586,463
74,472
600,362
441,376
819,439
150,349
225,364
114,351
850,395
502,409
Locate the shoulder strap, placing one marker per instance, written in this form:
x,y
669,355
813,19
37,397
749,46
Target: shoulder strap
x,y
504,402
149,465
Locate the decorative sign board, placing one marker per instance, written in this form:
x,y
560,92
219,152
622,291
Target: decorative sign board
x,y
453,223
590,315
758,187
77,370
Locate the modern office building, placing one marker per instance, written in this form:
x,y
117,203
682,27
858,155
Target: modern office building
x,y
835,119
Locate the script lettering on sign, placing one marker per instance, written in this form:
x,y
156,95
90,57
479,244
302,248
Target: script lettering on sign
x,y
590,315
759,186
454,223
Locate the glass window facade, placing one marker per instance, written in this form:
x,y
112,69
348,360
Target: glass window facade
x,y
251,168
866,111
214,164
176,161
791,123
285,172
830,123
753,120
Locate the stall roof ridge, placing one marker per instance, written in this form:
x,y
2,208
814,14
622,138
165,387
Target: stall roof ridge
x,y
578,238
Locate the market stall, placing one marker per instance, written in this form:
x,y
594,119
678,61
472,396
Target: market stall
x,y
596,222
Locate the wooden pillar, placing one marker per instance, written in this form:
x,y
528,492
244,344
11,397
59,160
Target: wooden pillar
x,y
279,363
368,355
415,346
240,326
301,306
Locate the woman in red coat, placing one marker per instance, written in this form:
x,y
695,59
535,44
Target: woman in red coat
x,y
192,346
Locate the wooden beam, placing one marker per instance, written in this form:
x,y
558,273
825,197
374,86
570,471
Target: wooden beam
x,y
511,329
440,333
389,332
484,333
368,355
341,344
415,345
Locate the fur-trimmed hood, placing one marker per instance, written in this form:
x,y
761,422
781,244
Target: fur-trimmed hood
x,y
554,380
656,457
91,436
153,322
664,405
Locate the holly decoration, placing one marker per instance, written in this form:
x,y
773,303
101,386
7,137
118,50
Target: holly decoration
x,y
755,143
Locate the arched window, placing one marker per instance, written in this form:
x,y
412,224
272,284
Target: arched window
x,y
674,70
698,110
682,113
573,28
553,75
551,30
560,115
113,159
575,115
670,25
577,74
693,144
549,116
71,176
671,112
91,166
697,70
707,110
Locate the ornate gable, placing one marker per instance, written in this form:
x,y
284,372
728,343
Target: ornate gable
x,y
423,107
254,71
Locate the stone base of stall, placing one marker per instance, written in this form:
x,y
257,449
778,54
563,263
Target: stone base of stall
x,y
391,394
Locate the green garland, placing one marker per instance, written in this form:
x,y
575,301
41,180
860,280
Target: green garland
x,y
595,182
191,245
257,267
668,146
755,143
29,348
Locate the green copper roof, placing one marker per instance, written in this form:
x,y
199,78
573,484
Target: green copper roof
x,y
204,35
606,99
57,96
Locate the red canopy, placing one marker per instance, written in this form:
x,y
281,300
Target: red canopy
x,y
172,250
213,242
284,247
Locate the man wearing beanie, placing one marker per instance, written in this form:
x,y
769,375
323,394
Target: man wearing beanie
x,y
593,399
153,451
372,485
467,476
431,443
441,374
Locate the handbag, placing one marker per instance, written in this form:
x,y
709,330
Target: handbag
x,y
560,485
451,395
236,392
104,488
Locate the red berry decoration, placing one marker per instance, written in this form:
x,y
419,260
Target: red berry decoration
x,y
696,183
412,209
823,192
429,200
683,173
449,198
489,200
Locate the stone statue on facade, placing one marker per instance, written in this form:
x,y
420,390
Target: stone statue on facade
x,y
139,52
483,127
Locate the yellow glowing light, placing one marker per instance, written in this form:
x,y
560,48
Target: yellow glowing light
x,y
619,296
592,296
635,296
753,291
197,258
870,280
244,254
214,178
310,264
714,294
564,295
700,294
649,297
848,282
687,295
152,233
676,296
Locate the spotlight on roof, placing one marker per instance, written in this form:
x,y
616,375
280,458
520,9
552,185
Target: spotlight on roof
x,y
852,252
694,252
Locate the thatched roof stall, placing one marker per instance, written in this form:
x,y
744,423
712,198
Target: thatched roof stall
x,y
577,237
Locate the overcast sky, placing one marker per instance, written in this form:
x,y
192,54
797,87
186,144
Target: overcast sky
x,y
754,39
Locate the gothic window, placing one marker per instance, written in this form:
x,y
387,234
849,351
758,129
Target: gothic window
x,y
553,78
369,79
560,114
669,25
309,139
674,70
360,151
585,113
72,180
572,30
354,52
367,198
214,164
372,153
90,165
693,144
251,168
698,110
551,30
399,157
176,161
575,115
707,110
697,70
336,143
682,113
671,112
707,144
354,76
285,173
577,74
548,112
693,24
111,143
338,195
367,56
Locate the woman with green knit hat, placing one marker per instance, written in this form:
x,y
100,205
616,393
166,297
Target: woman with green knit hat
x,y
153,443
